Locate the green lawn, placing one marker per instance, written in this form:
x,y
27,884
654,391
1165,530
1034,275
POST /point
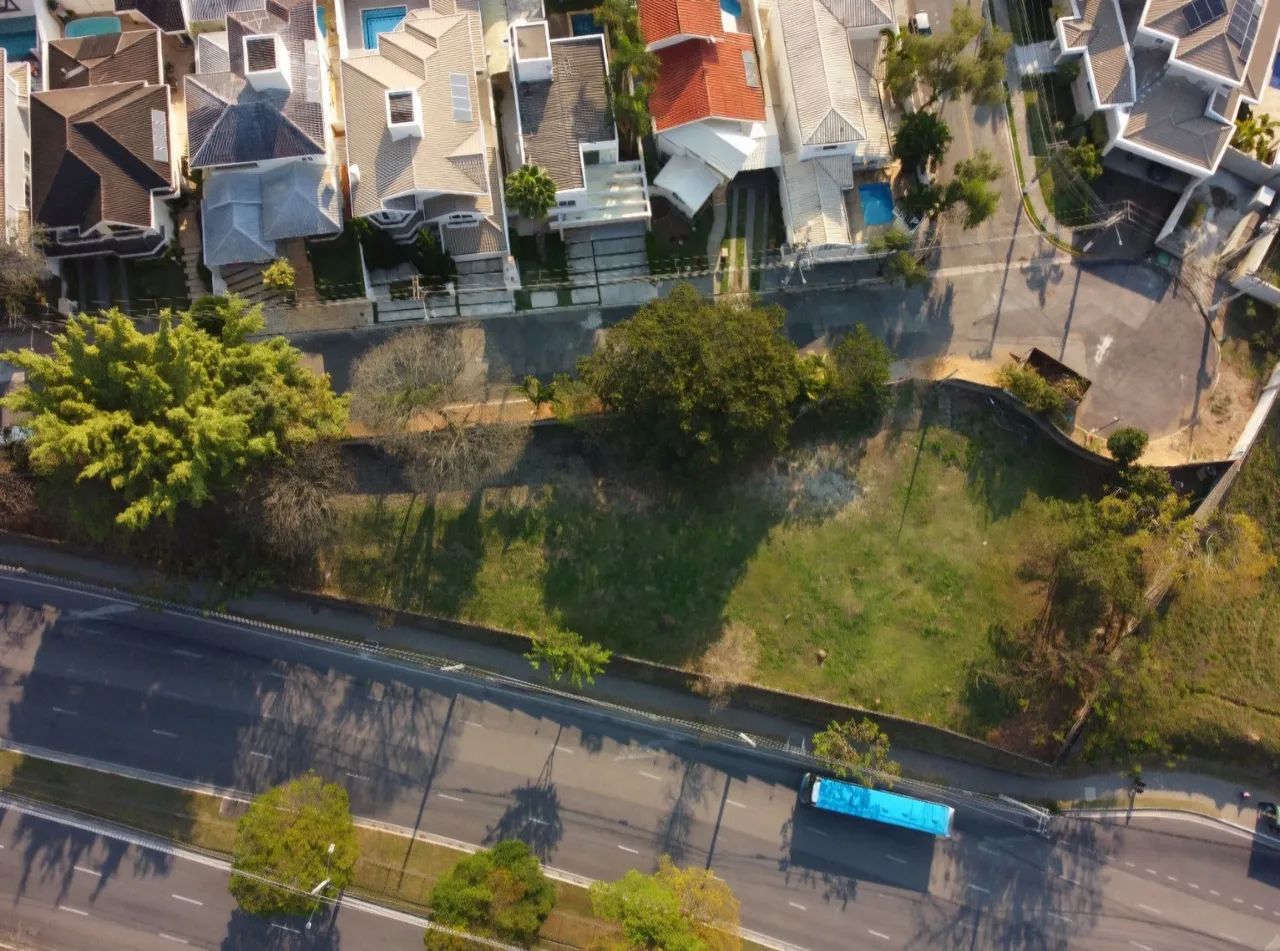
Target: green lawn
x,y
336,263
894,557
1065,195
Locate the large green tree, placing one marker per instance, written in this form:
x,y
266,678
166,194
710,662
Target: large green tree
x,y
168,418
499,893
697,383
674,909
531,192
968,58
857,749
921,141
282,848
858,391
973,188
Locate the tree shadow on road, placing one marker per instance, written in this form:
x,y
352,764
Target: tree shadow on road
x,y
251,933
533,816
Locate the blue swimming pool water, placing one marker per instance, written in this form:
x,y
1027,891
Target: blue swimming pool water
x,y
877,203
731,7
18,37
584,24
92,26
380,20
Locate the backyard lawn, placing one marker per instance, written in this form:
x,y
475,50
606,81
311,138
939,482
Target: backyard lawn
x,y
894,556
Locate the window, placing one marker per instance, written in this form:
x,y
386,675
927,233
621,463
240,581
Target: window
x,y
591,157
461,91
752,69
830,148
260,53
400,106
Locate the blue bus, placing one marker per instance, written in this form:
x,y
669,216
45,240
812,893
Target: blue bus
x,y
877,805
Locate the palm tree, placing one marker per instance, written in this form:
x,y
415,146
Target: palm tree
x,y
1256,134
631,113
531,191
616,16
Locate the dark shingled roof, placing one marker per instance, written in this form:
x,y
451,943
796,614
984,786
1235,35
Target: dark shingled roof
x,y
96,155
165,14
229,122
573,108
113,58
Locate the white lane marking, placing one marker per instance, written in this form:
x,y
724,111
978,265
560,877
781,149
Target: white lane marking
x,y
1070,881
1054,914
735,803
987,850
564,749
979,888
1214,891
260,755
1238,901
172,736
1151,871
189,901
538,822
1193,885
1140,946
878,934
450,798
74,911
812,831
796,905
1258,908
174,938
894,858
1171,878
358,776
285,928
185,653
1130,864
627,848
473,723
650,776
1154,911
62,710
87,871
1228,937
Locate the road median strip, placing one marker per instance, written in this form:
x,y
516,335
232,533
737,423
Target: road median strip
x,y
396,869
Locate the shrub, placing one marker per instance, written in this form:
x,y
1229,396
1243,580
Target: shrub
x,y
1035,392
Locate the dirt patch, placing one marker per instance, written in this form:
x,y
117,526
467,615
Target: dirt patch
x,y
813,482
731,659
1224,410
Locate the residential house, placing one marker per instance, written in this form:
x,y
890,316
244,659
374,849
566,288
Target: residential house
x,y
708,105
1169,76
826,57
563,124
106,162
167,16
421,140
258,127
15,148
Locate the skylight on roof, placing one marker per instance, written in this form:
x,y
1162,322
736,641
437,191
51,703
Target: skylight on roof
x,y
159,135
460,90
400,107
1199,12
752,69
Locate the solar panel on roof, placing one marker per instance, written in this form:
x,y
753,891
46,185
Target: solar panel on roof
x,y
1243,28
1199,12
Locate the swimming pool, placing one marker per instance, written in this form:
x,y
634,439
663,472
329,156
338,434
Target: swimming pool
x,y
380,20
18,37
92,26
731,7
584,24
877,203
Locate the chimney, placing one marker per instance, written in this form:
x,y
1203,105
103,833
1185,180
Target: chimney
x,y
532,45
266,62
404,114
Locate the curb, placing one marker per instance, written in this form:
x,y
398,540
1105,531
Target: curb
x,y
1178,815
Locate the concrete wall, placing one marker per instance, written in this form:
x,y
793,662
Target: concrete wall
x,y
1249,168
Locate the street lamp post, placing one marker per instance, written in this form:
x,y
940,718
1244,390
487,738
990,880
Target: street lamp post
x,y
328,862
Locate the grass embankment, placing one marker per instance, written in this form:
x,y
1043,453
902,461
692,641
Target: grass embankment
x,y
392,868
1214,651
893,555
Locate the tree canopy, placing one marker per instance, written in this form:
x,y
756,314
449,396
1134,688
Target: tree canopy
x,y
168,418
1127,444
858,392
972,188
499,893
568,657
968,58
857,749
282,842
531,192
674,909
921,140
697,383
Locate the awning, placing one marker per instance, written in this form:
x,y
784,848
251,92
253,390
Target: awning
x,y
688,182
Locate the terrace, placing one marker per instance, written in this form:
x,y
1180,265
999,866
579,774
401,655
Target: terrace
x,y
360,21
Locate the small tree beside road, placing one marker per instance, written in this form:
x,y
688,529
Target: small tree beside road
x,y
855,749
858,392
674,909
1127,444
568,657
282,852
499,893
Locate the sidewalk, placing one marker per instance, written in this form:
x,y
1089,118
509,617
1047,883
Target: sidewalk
x,y
1166,790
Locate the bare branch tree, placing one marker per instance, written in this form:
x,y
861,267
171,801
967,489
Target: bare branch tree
x,y
291,511
412,373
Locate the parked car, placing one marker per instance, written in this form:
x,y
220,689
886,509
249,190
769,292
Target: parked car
x,y
920,24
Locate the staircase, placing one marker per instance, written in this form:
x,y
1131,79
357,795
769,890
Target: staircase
x,y
189,243
615,192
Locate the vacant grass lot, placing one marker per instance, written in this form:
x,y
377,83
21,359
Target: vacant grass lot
x,y
1214,652
894,556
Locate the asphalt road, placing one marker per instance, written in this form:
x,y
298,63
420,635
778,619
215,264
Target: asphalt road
x,y
67,888
214,702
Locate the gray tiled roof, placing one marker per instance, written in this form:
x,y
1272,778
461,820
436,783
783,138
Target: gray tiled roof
x,y
229,122
165,14
1170,115
133,56
1100,31
1214,46
203,11
300,200
557,117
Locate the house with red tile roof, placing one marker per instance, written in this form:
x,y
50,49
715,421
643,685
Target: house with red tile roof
x,y
711,114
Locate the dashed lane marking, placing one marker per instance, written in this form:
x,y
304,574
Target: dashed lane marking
x,y
796,905
1140,946
63,711
1215,893
879,934
1238,901
894,858
165,733
650,776
450,798
735,804
285,928
565,749
185,653
1153,910
87,871
1054,914
1228,937
189,901
174,938
979,888
627,848
74,911
358,776
474,723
